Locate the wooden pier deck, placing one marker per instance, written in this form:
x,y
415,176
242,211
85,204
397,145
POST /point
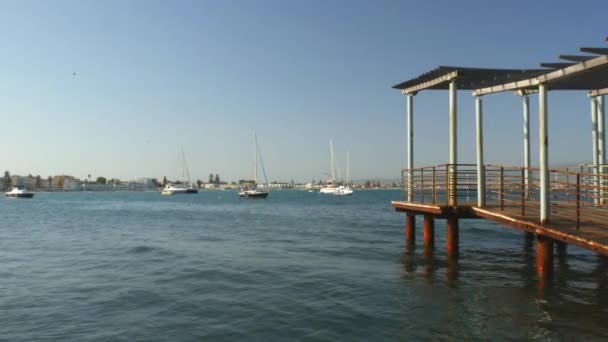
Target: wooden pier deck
x,y
562,227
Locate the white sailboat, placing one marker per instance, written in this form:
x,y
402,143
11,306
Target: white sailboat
x,y
345,190
254,191
173,189
330,186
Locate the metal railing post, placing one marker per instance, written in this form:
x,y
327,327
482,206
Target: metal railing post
x,y
447,183
422,185
567,185
578,200
434,186
523,192
502,188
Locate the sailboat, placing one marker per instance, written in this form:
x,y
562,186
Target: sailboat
x,y
173,189
344,190
330,186
253,191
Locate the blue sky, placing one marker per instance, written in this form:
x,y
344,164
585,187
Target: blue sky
x,y
153,75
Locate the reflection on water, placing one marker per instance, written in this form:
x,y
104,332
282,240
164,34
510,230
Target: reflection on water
x,y
506,275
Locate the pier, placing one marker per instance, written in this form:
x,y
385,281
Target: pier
x,y
556,207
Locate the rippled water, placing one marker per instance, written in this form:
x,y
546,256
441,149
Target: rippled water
x,y
297,266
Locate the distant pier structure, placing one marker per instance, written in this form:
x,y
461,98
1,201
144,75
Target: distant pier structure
x,y
557,206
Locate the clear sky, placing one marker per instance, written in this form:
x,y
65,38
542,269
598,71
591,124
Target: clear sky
x,y
113,88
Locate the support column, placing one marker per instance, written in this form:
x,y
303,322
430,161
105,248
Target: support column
x,y
410,146
543,139
601,145
452,237
481,176
410,228
527,144
452,200
429,232
595,144
601,132
544,257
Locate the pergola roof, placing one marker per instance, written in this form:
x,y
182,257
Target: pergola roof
x,y
589,75
588,72
466,78
581,72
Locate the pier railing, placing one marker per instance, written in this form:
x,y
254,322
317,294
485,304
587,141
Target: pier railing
x,y
578,195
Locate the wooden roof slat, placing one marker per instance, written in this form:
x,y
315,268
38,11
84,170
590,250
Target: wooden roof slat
x,y
556,65
597,51
576,58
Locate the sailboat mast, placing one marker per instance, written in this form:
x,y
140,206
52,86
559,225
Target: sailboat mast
x,y
333,167
185,166
255,158
346,167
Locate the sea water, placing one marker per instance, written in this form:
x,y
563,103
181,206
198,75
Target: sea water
x,y
139,266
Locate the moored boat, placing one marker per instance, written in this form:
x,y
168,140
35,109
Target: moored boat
x,y
253,193
251,190
172,189
19,192
187,187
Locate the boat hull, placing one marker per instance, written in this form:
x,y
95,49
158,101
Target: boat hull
x,y
27,195
259,194
180,191
328,190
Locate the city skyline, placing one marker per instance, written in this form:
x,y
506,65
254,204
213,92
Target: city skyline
x,y
114,88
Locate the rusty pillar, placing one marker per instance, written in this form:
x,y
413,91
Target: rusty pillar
x,y
452,237
429,231
410,228
544,257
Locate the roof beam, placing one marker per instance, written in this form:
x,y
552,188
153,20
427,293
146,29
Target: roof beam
x,y
599,92
431,83
556,65
523,92
597,51
546,78
575,58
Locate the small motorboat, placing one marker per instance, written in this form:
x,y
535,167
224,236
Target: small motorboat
x,y
253,193
19,192
172,189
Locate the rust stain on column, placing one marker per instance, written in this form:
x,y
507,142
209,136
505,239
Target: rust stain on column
x,y
544,257
452,237
410,228
429,231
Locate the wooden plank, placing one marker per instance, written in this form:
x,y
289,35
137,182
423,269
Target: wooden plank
x,y
417,207
431,83
590,237
556,65
576,58
597,51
